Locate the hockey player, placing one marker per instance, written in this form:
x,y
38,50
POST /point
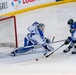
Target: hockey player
x,y
71,40
34,38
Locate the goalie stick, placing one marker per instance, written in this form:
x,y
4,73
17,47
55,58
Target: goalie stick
x,y
59,41
53,39
54,50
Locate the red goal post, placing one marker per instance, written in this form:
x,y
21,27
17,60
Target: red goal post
x,y
8,32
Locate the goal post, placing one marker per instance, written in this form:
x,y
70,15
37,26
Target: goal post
x,y
8,32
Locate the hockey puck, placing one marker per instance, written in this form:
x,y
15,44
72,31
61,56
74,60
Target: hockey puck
x,y
36,59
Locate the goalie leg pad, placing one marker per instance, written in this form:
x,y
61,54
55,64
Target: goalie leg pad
x,y
23,49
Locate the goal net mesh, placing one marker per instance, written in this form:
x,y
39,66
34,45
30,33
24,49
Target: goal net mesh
x,y
8,32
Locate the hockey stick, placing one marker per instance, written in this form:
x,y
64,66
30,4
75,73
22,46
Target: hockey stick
x,y
53,39
58,41
55,50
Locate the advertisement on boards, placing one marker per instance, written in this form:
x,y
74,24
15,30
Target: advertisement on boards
x,y
7,6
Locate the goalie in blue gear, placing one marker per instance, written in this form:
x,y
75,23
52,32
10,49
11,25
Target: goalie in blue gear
x,y
71,40
34,38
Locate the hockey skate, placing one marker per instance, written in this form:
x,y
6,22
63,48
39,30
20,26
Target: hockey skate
x,y
66,50
73,52
13,53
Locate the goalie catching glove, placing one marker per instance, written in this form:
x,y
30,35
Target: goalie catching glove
x,y
47,40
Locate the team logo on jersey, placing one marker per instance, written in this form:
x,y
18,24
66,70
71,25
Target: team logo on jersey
x,y
16,3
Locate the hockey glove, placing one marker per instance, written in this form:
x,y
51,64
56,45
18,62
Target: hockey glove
x,y
67,41
47,40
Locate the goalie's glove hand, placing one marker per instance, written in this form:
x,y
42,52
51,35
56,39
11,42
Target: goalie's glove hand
x,y
47,40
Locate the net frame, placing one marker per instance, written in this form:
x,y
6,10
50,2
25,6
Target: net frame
x,y
15,30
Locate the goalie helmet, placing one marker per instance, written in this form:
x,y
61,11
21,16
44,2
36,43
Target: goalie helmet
x,y
70,21
35,24
41,26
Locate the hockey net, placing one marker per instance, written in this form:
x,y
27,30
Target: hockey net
x,y
8,32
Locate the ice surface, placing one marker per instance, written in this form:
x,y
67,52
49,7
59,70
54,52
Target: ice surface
x,y
55,19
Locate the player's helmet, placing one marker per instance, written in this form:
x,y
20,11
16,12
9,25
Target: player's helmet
x,y
70,21
41,26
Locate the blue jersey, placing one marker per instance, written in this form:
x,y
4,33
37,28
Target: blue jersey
x,y
73,26
73,33
73,37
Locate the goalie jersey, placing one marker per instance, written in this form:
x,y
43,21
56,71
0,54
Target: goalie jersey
x,y
36,35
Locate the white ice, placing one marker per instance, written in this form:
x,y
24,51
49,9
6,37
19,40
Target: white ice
x,y
55,19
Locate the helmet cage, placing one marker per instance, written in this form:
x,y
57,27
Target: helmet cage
x,y
41,26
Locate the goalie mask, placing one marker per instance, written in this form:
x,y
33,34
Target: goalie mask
x,y
41,26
